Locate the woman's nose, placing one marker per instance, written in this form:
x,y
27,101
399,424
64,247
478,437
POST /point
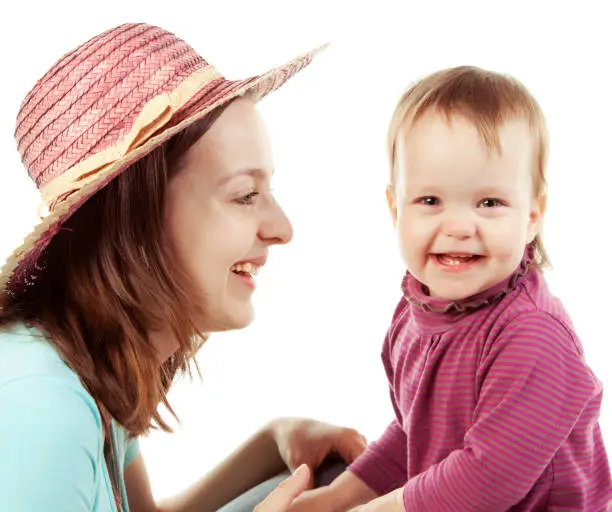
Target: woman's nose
x,y
276,228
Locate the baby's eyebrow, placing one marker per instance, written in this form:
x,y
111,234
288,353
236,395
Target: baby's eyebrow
x,y
497,190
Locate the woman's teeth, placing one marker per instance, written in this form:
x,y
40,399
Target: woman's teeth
x,y
247,268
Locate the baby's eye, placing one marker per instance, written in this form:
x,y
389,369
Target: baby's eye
x,y
491,202
428,201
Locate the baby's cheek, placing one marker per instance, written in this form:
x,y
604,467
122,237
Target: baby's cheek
x,y
508,251
409,239
416,229
501,235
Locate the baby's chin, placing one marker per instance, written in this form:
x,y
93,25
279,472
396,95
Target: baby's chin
x,y
449,296
453,292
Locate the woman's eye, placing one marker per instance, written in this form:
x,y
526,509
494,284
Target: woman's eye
x,y
491,203
428,201
248,199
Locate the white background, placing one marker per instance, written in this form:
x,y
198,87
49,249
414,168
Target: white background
x,y
324,301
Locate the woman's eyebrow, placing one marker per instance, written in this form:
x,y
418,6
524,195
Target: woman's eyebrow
x,y
255,172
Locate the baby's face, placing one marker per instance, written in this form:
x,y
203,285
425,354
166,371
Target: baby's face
x,y
464,212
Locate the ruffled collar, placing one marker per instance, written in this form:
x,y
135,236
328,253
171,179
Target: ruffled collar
x,y
415,292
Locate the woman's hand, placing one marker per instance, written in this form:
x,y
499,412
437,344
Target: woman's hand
x,y
319,500
305,441
392,502
282,497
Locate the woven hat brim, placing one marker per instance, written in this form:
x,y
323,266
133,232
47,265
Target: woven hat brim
x,y
21,266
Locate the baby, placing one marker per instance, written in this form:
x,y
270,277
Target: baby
x,y
495,406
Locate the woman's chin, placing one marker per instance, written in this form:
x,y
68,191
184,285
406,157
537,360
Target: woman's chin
x,y
239,317
241,323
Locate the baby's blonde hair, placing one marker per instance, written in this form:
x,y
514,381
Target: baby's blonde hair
x,y
486,99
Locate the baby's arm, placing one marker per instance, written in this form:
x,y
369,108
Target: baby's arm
x,y
380,469
345,493
534,387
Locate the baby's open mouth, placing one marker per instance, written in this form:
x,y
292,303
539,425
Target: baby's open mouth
x,y
454,260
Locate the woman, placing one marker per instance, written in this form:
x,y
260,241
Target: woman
x,y
154,172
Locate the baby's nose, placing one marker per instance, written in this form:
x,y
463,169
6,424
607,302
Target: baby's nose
x,y
459,228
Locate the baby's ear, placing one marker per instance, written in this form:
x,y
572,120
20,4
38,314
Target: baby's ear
x,y
536,216
392,203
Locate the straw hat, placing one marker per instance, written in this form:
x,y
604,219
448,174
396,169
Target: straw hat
x,y
105,105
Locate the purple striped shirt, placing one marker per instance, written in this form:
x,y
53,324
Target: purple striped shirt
x,y
495,406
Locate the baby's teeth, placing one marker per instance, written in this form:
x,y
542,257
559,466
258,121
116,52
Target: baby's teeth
x,y
450,260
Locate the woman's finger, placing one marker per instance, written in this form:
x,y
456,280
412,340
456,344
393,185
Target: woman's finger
x,y
351,445
282,497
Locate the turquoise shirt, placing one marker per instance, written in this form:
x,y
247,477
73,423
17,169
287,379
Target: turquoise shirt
x,y
51,449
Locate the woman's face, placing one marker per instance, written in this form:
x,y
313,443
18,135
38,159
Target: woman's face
x,y
221,217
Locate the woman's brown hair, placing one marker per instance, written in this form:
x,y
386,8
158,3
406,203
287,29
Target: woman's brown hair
x,y
108,278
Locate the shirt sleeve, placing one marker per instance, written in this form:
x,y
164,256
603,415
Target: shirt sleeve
x,y
50,441
534,386
382,467
131,451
